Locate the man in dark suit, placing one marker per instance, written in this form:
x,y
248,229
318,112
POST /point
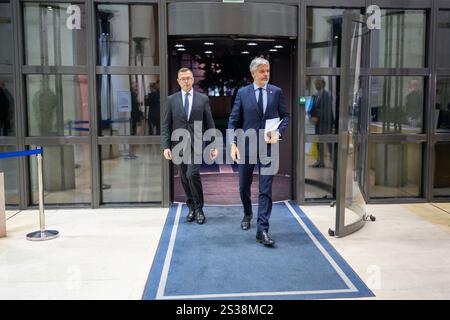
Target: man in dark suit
x,y
182,109
254,104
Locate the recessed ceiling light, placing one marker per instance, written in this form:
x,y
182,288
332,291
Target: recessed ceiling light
x,y
245,52
208,43
179,45
279,46
252,44
49,8
208,52
273,50
181,49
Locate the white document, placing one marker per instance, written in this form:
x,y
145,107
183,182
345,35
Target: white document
x,y
271,125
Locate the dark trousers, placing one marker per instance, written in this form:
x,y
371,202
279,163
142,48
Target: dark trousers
x,y
192,184
264,198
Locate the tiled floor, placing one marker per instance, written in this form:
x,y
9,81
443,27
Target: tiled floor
x,y
107,253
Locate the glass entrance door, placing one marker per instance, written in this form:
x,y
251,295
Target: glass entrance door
x,y
351,202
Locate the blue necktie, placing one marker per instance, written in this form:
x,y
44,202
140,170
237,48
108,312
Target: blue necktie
x,y
260,100
186,104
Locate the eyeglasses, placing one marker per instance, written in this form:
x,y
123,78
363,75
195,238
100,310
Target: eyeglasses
x,y
185,79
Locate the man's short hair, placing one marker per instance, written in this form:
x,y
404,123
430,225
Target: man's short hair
x,y
184,70
257,62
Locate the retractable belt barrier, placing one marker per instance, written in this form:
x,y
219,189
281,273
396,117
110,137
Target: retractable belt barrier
x,y
42,234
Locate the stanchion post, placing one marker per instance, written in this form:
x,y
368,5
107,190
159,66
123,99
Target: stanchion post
x,y
42,234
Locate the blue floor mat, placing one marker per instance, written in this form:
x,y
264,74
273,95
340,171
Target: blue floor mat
x,y
218,260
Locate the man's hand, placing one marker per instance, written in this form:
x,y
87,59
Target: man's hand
x,y
274,136
235,153
213,153
167,154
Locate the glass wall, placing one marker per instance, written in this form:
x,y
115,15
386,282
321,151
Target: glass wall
x,y
131,173
441,187
66,174
10,169
6,51
395,170
397,105
57,105
127,35
7,106
400,43
54,34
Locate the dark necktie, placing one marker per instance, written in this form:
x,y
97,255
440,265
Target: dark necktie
x,y
260,101
186,105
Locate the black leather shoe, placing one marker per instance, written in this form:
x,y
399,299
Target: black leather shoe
x,y
264,238
245,223
191,216
200,216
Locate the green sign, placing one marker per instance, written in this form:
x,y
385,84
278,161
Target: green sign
x,y
302,100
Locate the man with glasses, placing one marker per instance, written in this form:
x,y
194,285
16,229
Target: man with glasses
x,y
183,109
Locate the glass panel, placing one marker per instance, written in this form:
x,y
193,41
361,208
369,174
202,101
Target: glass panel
x,y
129,105
6,52
395,170
443,34
323,36
57,105
131,173
66,174
442,170
400,43
7,103
323,110
54,34
10,168
397,105
127,35
442,108
353,152
320,179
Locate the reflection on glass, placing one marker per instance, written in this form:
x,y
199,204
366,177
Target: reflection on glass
x,y
54,34
7,124
323,36
442,170
322,113
443,34
127,35
131,173
57,105
442,108
320,180
10,169
400,43
6,34
129,105
397,105
66,174
395,170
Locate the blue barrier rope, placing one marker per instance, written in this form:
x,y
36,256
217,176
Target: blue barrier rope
x,y
20,153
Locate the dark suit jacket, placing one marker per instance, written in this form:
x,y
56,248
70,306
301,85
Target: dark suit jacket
x,y
175,117
246,114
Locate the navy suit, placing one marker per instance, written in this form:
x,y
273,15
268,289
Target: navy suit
x,y
246,115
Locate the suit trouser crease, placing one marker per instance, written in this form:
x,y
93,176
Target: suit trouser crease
x,y
264,198
192,185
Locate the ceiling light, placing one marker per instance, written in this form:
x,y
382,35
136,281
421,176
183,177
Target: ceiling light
x,y
49,8
208,52
273,50
179,45
252,44
208,43
245,52
181,49
279,46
